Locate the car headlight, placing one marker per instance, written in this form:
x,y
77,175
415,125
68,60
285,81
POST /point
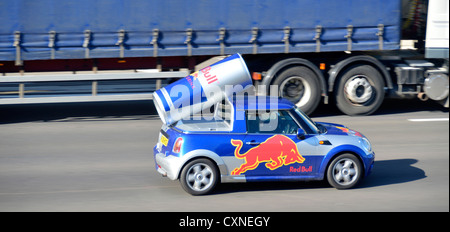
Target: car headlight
x,y
366,144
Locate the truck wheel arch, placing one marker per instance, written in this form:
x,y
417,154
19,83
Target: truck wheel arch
x,y
335,72
292,62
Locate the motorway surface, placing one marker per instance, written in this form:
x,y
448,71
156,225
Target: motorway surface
x,y
98,157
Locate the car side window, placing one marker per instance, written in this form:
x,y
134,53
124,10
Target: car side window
x,y
273,122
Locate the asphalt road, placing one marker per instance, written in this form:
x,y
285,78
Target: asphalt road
x,y
98,157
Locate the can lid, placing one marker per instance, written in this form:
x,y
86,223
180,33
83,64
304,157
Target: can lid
x,y
159,107
244,66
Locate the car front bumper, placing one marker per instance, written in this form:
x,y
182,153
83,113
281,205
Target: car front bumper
x,y
369,162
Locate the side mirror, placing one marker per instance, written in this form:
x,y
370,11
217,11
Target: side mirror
x,y
300,134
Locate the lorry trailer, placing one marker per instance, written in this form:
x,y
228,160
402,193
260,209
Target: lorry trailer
x,y
344,52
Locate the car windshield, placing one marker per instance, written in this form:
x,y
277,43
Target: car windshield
x,y
306,122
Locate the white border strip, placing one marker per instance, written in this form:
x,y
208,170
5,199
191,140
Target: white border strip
x,y
89,98
428,120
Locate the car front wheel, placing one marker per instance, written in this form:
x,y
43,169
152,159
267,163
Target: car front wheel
x,y
344,172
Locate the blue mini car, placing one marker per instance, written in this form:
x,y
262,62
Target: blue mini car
x,y
260,139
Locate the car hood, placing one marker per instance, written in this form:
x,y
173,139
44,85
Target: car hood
x,y
339,129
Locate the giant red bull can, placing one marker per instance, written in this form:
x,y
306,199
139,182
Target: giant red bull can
x,y
202,89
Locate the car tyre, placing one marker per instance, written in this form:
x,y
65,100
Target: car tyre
x,y
345,171
199,177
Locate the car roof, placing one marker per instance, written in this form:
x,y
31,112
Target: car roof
x,y
246,102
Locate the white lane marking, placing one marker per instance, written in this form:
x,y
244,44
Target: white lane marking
x,y
428,119
89,190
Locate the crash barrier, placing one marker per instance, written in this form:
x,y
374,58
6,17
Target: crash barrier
x,y
21,95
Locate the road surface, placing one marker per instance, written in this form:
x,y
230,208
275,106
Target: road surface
x,y
98,157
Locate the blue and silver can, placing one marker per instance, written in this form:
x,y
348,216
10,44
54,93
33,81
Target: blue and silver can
x,y
202,89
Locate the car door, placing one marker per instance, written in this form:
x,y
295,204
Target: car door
x,y
271,147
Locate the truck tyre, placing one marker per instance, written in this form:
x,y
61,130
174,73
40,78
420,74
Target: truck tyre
x,y
360,90
301,86
344,172
199,177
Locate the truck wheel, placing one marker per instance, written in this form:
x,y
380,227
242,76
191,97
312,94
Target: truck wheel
x,y
360,90
300,86
344,172
199,177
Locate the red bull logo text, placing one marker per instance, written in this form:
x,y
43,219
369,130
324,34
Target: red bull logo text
x,y
210,78
191,78
301,169
276,151
205,73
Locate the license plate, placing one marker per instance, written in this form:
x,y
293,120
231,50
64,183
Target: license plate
x,y
164,140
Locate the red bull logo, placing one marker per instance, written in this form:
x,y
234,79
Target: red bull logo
x,y
210,78
346,130
276,151
343,129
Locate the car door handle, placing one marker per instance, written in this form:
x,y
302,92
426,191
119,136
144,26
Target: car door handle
x,y
253,143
